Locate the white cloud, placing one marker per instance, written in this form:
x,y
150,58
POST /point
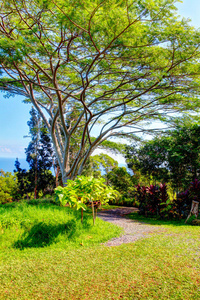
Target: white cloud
x,y
12,151
5,150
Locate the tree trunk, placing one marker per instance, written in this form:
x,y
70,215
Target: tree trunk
x,y
36,179
57,171
194,210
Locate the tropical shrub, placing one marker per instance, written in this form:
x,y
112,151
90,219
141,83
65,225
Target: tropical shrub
x,y
184,200
153,200
8,187
85,191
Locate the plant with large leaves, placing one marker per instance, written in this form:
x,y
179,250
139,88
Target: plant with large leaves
x,y
85,191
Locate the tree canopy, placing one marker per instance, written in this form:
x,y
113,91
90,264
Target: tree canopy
x,y
173,157
107,66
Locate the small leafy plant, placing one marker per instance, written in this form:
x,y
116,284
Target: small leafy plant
x,y
85,191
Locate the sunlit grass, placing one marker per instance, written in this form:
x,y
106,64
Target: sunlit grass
x,y
29,225
163,266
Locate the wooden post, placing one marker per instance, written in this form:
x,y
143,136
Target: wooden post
x,y
194,210
93,212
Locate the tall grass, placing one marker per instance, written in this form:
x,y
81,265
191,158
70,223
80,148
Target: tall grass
x,y
42,224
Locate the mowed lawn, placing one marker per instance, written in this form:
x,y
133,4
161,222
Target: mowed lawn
x,y
46,253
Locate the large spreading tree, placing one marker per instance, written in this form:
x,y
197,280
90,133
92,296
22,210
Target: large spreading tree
x,y
106,65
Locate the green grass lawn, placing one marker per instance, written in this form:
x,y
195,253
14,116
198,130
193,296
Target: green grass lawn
x,y
46,253
40,224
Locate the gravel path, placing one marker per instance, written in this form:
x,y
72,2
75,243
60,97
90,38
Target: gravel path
x,y
133,230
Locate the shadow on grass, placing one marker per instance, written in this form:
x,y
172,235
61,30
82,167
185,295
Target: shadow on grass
x,y
42,235
155,221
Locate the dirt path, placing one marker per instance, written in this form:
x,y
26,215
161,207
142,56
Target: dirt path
x,y
133,230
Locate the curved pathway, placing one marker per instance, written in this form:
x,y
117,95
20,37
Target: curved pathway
x,y
133,230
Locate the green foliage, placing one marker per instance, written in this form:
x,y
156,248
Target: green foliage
x,y
98,164
113,147
183,155
8,187
84,190
173,157
110,65
124,183
150,159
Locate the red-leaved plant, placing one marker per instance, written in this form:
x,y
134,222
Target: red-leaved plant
x,y
153,200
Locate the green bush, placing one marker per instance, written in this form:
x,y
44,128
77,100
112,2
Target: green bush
x,y
8,187
184,200
154,200
84,191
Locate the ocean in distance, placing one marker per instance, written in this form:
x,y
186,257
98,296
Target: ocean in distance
x,y
7,164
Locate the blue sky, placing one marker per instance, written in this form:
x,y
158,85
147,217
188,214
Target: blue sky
x,y
14,114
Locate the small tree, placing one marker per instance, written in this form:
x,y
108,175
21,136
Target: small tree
x,y
22,179
85,191
39,155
